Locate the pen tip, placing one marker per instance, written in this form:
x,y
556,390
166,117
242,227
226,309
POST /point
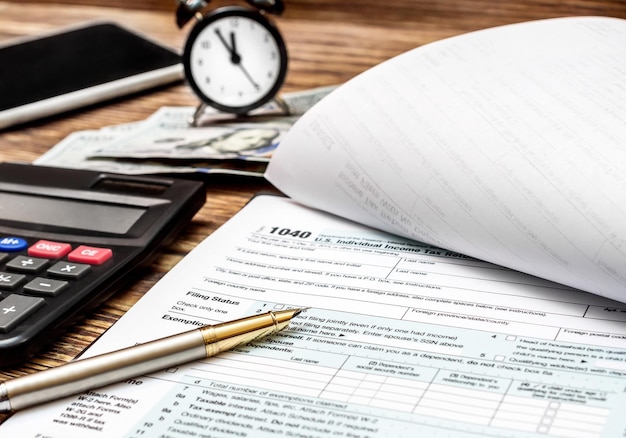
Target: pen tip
x,y
299,311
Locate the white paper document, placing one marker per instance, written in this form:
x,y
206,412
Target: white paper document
x,y
507,144
401,339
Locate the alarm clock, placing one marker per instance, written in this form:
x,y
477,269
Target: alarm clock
x,y
235,59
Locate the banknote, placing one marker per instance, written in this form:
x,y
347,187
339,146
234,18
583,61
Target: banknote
x,y
165,142
74,152
167,134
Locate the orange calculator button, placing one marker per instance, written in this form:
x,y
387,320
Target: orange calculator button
x,y
49,250
90,255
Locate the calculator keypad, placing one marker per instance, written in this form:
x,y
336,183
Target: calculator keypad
x,y
10,281
15,308
46,271
45,286
12,244
91,255
29,265
73,271
49,250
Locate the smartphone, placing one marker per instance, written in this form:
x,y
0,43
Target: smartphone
x,y
76,67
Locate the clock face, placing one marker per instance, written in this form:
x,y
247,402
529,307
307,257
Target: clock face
x,y
235,60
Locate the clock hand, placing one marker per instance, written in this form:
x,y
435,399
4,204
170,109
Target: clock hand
x,y
245,72
234,56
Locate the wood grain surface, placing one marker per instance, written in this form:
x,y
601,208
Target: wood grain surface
x,y
329,42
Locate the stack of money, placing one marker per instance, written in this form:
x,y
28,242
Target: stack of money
x,y
167,142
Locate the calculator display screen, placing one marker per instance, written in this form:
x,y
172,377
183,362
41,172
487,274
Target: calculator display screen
x,y
68,213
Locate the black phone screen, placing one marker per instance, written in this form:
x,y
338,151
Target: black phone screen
x,y
55,65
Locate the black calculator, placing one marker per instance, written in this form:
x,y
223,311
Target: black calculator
x,y
71,238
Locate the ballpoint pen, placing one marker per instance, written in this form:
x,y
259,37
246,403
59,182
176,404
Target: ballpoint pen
x,y
81,375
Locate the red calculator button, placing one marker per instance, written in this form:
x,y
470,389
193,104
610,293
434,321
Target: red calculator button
x,y
49,250
90,255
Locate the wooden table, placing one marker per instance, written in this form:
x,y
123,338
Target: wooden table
x,y
329,42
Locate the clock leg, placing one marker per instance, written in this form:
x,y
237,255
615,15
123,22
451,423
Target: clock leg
x,y
282,105
197,114
276,107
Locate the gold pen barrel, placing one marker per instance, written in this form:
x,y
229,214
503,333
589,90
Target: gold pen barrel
x,y
81,375
228,335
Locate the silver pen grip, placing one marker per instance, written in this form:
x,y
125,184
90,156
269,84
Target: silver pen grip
x,y
97,371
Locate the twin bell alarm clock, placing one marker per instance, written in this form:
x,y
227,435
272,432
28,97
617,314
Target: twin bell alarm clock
x,y
235,59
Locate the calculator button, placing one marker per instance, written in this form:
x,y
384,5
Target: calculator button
x,y
3,256
49,250
15,308
12,244
10,281
45,286
72,271
90,255
30,265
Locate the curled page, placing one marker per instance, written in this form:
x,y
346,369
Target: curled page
x,y
507,145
